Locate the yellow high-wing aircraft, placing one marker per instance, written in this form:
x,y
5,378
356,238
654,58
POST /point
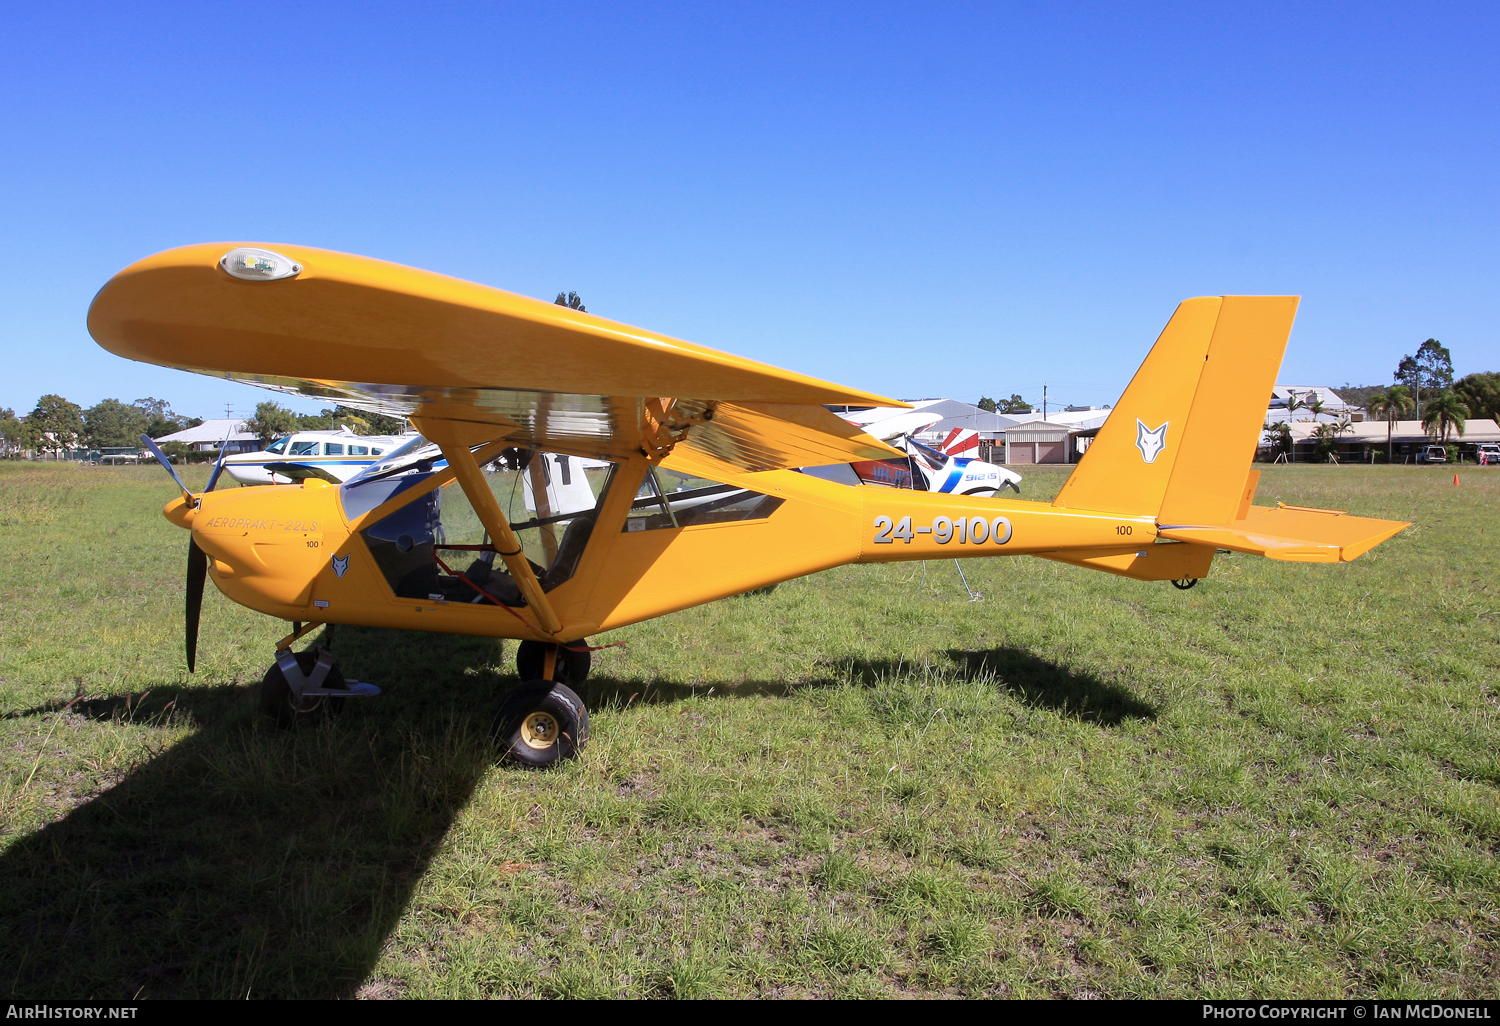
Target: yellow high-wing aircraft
x,y
617,474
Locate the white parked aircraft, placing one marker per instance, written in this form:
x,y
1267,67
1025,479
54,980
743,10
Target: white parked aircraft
x,y
332,455
927,468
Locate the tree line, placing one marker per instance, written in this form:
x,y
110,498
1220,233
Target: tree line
x,y
1422,389
1015,404
272,420
57,425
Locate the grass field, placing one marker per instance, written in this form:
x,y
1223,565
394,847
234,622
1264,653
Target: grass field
x,y
1282,783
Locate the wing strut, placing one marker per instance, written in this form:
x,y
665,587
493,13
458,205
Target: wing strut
x,y
471,479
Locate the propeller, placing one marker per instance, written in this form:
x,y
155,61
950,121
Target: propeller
x,y
197,571
161,458
197,564
213,478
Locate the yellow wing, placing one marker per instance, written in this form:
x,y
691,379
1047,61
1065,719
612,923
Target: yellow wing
x,y
396,340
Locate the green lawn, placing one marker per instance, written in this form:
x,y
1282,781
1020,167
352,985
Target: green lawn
x,y
1282,783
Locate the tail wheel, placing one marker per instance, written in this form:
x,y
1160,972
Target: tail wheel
x,y
278,702
1185,583
572,665
540,724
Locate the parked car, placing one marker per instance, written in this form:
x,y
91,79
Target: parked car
x,y
1487,453
1432,454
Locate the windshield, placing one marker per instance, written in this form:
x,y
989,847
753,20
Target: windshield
x,y
279,446
403,467
404,459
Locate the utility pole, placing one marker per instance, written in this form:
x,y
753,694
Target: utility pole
x,y
227,414
1044,400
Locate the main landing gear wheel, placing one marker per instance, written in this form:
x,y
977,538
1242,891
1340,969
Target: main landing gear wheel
x,y
278,702
1185,583
572,666
541,723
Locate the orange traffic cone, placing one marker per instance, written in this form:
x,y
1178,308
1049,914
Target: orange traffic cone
x,y
1455,480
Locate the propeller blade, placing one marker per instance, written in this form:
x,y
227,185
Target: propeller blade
x,y
213,478
161,458
197,571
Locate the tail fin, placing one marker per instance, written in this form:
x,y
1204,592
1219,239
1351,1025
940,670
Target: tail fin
x,y
1179,444
961,442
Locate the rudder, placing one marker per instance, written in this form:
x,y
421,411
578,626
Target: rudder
x,y
1179,443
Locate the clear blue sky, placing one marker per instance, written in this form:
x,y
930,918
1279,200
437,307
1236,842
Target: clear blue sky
x,y
923,200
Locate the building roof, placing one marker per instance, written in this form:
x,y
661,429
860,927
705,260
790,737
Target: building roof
x,y
1039,431
963,415
994,425
1403,431
1071,420
213,431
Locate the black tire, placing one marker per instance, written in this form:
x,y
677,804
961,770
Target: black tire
x,y
572,666
276,695
540,724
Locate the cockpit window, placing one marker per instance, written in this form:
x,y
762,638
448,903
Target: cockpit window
x,y
670,499
304,449
436,546
279,446
839,473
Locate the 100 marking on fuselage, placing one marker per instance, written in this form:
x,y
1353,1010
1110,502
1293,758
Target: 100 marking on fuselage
x,y
966,530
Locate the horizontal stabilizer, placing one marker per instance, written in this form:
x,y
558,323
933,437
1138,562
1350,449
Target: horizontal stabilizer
x,y
1297,535
1142,562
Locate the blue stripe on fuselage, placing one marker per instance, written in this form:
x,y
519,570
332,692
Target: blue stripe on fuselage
x,y
955,475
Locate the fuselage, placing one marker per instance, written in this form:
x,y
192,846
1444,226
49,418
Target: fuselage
x,y
364,553
955,475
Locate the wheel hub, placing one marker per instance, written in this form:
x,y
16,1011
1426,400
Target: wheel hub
x,y
539,730
303,705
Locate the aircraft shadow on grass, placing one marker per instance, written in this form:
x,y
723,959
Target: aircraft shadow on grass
x,y
1033,679
243,861
1042,682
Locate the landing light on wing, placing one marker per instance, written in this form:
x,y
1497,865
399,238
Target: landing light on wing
x,y
250,264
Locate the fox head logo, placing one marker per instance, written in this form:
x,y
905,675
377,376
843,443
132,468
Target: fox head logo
x,y
340,565
1151,441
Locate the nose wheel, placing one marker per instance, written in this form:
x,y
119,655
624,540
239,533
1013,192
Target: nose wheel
x,y
306,688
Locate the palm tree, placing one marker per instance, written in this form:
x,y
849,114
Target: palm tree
x,y
1294,402
1327,436
1281,436
1445,413
1390,403
1314,404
